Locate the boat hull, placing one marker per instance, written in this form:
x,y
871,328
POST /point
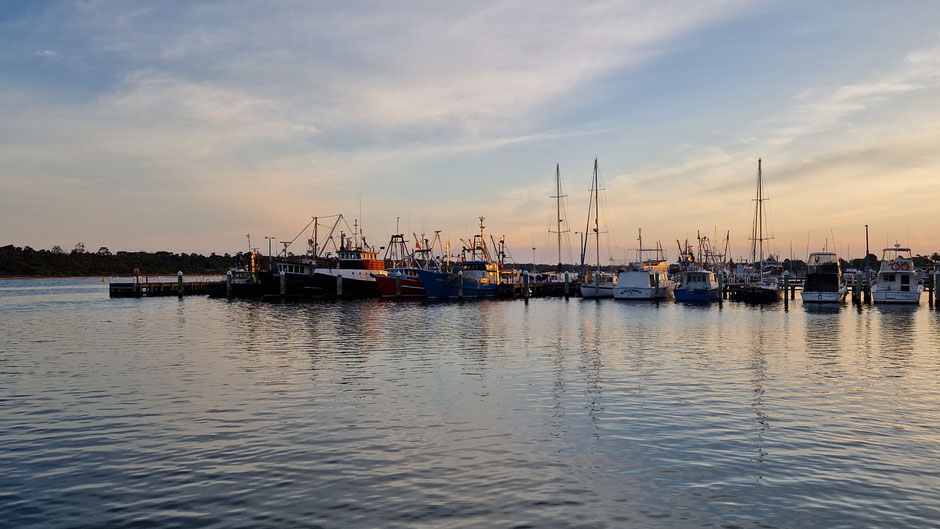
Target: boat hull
x,y
897,297
696,294
817,296
318,286
588,290
438,285
759,295
643,293
410,287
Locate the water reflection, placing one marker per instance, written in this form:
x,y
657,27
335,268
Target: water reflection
x,y
896,326
823,340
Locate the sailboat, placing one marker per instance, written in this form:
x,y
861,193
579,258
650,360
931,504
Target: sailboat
x,y
557,282
597,285
765,290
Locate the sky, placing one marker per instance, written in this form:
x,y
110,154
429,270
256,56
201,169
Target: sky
x,y
184,126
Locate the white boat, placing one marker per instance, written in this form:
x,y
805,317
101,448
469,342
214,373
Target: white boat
x,y
645,280
896,282
597,284
824,282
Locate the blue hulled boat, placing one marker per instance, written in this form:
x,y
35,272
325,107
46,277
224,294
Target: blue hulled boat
x,y
476,275
697,285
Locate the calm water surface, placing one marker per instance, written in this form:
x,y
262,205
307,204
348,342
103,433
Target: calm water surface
x,y
210,413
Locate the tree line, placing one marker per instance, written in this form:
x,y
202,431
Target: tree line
x,y
25,261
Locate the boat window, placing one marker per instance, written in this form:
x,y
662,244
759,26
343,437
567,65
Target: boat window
x,y
888,277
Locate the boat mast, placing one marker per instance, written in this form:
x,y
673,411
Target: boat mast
x,y
597,231
760,216
558,196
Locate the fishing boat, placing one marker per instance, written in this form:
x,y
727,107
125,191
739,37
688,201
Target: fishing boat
x,y
896,281
240,281
824,282
646,279
356,268
598,284
476,275
765,290
401,279
697,280
350,273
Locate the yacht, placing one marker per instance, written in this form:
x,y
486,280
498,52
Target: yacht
x,y
897,282
824,282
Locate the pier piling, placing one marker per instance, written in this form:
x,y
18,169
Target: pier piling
x,y
857,289
566,286
721,286
339,284
525,285
397,285
786,288
228,284
283,283
936,285
179,284
460,284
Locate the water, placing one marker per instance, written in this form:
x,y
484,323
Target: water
x,y
208,413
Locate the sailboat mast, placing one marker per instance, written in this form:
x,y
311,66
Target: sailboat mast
x,y
597,231
558,209
760,216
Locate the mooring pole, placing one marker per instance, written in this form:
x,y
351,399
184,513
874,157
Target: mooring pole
x,y
566,285
936,284
721,286
339,285
283,283
179,284
228,284
525,285
859,286
786,287
460,284
398,284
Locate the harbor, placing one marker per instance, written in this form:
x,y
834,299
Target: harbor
x,y
338,263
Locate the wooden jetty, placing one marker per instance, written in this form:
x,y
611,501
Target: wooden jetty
x,y
146,286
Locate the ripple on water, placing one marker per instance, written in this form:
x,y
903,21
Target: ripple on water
x,y
554,413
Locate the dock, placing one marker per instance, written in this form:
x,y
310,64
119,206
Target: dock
x,y
148,287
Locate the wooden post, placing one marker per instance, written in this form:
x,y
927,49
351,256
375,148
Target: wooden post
x,y
397,284
228,284
339,285
721,286
858,288
525,285
179,284
460,284
657,284
283,283
936,284
566,286
597,284
786,288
